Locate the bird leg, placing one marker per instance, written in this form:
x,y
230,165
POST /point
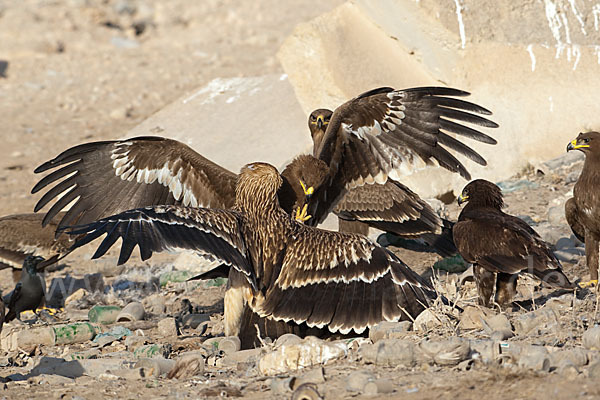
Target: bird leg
x,y
591,256
506,287
301,215
485,284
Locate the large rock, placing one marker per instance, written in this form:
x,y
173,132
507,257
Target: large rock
x,y
533,63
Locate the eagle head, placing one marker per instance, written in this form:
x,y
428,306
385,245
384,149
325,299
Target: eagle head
x,y
585,141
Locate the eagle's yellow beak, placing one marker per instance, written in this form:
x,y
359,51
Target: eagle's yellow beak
x,y
574,146
462,199
320,121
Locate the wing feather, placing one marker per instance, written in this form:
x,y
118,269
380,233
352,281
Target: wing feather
x,y
386,132
172,228
342,281
106,178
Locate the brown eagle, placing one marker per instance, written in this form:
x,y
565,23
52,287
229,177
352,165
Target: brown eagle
x,y
390,207
22,235
379,133
583,209
281,269
500,245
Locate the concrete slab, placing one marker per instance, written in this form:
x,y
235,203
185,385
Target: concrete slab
x,y
533,63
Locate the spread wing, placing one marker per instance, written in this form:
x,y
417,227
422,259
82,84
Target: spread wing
x,y
391,207
22,235
172,228
106,178
502,243
387,132
342,281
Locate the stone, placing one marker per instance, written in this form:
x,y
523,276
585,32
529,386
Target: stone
x,y
568,369
74,369
356,381
75,296
498,324
389,352
167,327
556,215
594,370
473,317
389,330
428,320
378,386
445,352
591,338
47,379
61,288
565,160
311,351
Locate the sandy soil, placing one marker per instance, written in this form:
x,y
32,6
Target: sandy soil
x,y
84,70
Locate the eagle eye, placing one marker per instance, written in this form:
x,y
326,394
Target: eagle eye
x,y
586,140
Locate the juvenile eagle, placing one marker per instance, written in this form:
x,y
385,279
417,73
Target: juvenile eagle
x,y
500,244
281,269
379,133
583,209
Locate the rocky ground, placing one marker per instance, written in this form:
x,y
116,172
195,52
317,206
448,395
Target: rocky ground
x,y
90,70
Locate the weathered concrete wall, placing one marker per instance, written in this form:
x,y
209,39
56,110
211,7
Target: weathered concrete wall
x,y
535,64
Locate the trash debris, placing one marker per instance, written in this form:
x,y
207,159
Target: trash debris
x,y
311,351
104,314
131,312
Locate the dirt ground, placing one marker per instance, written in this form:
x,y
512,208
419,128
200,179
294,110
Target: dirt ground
x,y
87,70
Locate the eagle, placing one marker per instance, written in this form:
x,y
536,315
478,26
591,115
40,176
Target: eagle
x,y
500,246
583,209
390,207
22,235
281,269
379,133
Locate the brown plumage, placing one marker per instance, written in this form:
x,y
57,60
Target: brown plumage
x,y
386,132
22,235
379,133
283,270
583,209
390,207
499,243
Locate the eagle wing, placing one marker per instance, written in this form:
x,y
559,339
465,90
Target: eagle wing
x,y
391,207
106,178
503,243
394,132
23,234
172,228
342,281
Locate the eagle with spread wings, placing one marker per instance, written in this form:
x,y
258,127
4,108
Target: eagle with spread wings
x,y
381,133
280,268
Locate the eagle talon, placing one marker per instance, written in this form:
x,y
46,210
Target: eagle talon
x,y
307,191
301,215
588,284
